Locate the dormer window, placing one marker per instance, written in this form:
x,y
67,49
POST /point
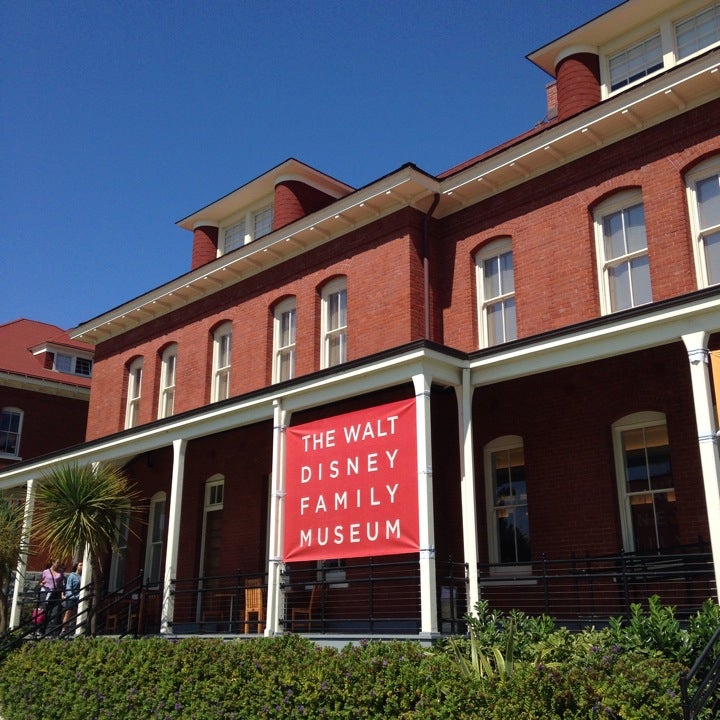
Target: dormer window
x,y
661,46
72,365
698,31
635,62
252,226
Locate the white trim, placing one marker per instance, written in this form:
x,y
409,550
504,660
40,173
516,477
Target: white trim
x,y
498,444
134,392
329,332
155,546
168,379
14,411
222,345
617,204
286,351
634,421
495,249
703,171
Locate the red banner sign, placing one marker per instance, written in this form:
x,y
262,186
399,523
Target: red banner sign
x,y
351,485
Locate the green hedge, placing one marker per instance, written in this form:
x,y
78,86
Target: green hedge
x,y
533,671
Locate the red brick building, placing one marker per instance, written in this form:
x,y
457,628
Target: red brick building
x,y
549,309
44,390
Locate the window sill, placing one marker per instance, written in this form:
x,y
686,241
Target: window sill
x,y
9,456
506,576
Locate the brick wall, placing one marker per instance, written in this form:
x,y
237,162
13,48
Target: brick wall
x,y
565,418
384,281
550,222
50,422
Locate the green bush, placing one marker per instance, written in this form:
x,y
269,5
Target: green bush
x,y
287,677
628,671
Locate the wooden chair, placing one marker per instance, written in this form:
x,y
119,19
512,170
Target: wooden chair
x,y
254,604
297,613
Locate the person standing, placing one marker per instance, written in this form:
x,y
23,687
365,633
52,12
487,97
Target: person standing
x,y
71,596
52,584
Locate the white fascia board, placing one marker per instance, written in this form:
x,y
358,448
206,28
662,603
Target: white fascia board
x,y
317,391
589,123
369,203
661,327
47,387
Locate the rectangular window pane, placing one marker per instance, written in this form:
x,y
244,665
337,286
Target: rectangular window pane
x,y
712,257
641,291
507,278
234,236
83,366
708,196
620,294
491,276
635,228
636,62
337,349
698,32
263,222
63,363
613,232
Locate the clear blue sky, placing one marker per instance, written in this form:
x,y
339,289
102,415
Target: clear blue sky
x,y
118,118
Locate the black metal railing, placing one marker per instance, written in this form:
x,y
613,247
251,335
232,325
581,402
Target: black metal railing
x,y
591,589
703,678
382,596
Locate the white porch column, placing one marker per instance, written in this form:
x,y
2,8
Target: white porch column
x,y
173,535
428,588
696,344
85,580
467,489
275,605
15,608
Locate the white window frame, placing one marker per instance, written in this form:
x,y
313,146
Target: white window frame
x,y
134,392
222,362
284,339
635,421
168,371
14,412
666,27
119,555
71,364
214,500
500,444
155,538
332,331
714,12
252,224
704,171
504,300
619,204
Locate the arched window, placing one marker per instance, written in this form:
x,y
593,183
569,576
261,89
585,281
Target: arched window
x,y
333,326
507,500
212,527
284,340
622,252
155,538
134,392
222,357
168,366
703,188
496,293
10,431
645,482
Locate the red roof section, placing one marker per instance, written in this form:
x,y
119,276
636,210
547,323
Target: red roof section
x,y
19,337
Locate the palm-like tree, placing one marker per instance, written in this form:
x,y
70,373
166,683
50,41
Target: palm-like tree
x,y
11,523
83,506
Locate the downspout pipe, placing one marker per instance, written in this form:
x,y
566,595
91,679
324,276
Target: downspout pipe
x,y
426,263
